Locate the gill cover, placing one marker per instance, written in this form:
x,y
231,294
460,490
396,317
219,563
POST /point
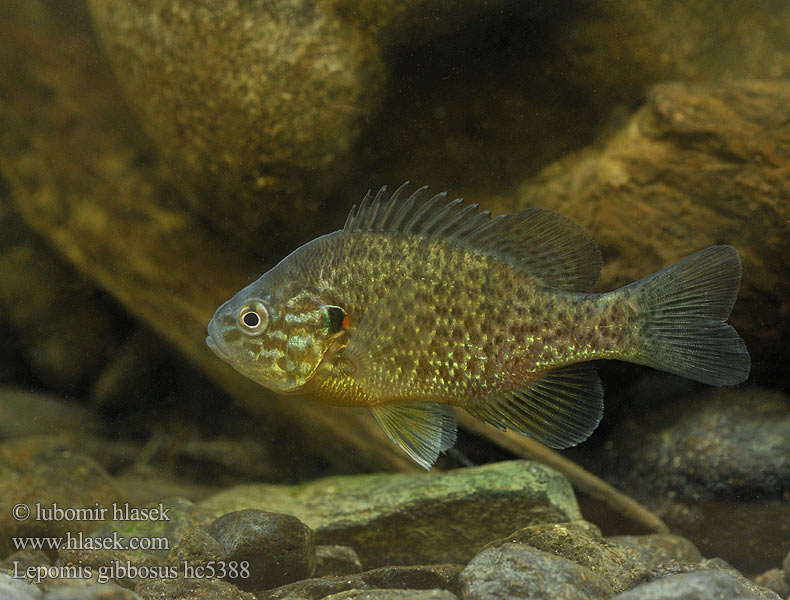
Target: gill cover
x,y
311,327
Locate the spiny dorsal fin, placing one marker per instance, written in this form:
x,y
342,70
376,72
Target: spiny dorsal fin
x,y
541,242
422,429
560,409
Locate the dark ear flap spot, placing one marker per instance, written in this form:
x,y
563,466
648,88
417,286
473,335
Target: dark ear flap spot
x,y
334,316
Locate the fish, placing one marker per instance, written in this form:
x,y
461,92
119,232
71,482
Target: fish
x,y
420,304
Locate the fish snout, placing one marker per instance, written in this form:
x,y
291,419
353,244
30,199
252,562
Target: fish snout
x,y
216,341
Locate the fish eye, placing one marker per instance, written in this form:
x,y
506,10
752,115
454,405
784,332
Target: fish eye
x,y
254,318
251,319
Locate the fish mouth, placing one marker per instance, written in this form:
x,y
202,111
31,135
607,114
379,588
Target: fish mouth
x,y
215,343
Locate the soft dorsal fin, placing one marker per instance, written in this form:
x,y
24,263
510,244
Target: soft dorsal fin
x,y
541,242
421,429
561,408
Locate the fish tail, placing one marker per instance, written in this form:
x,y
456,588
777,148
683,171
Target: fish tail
x,y
683,324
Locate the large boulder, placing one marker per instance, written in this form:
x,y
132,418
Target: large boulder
x,y
392,519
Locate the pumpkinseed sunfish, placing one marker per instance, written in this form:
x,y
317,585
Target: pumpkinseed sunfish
x,y
420,304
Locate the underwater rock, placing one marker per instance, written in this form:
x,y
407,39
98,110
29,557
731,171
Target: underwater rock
x,y
65,352
270,112
279,548
774,580
148,484
225,459
582,543
657,549
618,48
263,115
18,589
88,590
310,589
336,560
700,585
786,568
719,456
190,589
424,577
712,565
48,471
396,519
24,413
171,518
196,548
25,558
698,164
136,564
393,595
513,571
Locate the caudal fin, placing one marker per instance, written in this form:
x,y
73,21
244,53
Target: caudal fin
x,y
685,308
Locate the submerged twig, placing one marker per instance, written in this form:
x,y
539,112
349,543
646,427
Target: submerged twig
x,y
581,479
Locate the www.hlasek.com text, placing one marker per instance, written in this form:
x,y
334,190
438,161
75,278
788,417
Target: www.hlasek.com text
x,y
80,541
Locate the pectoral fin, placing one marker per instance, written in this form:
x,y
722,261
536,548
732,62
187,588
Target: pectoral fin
x,y
389,342
422,429
561,408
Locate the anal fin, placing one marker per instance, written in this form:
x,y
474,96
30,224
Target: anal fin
x,y
560,409
421,429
